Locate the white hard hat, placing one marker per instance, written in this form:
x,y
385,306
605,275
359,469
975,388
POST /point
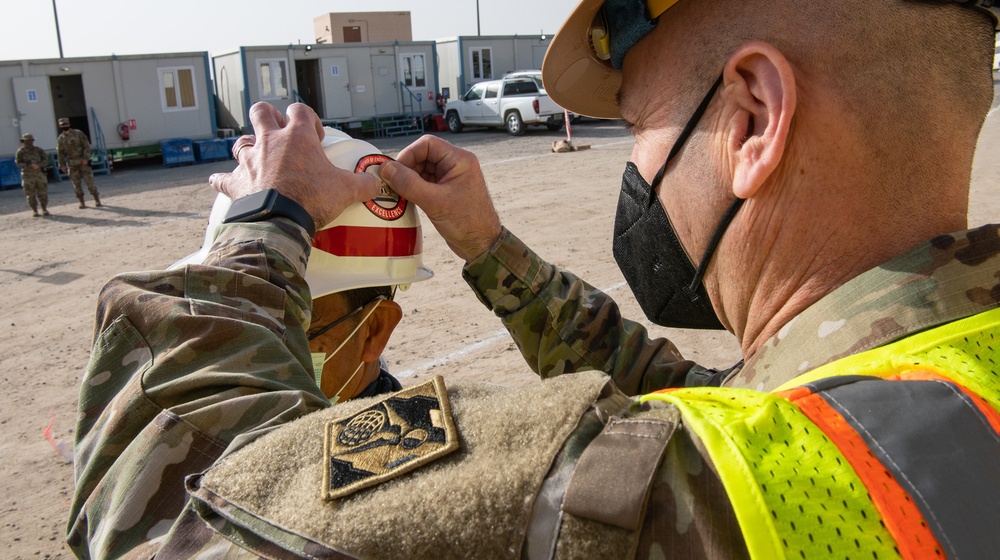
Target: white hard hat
x,y
374,243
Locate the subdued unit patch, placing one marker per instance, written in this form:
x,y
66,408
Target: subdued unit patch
x,y
388,439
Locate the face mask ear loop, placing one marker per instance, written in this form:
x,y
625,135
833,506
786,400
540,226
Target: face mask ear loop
x,y
350,336
686,132
336,396
706,257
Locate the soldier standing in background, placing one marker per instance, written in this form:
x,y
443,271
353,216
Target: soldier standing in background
x,y
74,158
32,161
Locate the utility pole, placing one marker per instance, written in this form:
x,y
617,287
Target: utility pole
x,y
479,31
55,13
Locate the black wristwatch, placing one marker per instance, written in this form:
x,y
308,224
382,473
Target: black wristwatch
x,y
268,204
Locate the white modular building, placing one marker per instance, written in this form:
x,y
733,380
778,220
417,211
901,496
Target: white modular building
x,y
468,60
349,85
127,103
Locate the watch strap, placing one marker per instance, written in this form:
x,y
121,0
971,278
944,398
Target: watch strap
x,y
268,204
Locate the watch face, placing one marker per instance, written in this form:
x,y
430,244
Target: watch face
x,y
387,204
251,206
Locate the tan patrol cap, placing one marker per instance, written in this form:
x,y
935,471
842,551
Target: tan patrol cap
x,y
63,121
581,68
577,71
28,136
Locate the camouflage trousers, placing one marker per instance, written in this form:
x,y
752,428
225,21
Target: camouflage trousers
x,y
36,186
82,171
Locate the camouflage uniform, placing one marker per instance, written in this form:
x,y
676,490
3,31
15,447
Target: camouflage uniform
x,y
196,370
562,324
34,181
73,150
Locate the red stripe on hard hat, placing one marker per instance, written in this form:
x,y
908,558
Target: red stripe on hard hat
x,y
359,241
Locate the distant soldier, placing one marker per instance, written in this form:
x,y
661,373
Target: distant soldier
x,y
33,161
74,158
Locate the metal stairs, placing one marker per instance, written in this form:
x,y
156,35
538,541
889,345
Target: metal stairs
x,y
397,125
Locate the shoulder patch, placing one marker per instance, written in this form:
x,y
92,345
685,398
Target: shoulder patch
x,y
388,439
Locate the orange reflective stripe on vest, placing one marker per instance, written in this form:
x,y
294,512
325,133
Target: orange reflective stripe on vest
x,y
927,450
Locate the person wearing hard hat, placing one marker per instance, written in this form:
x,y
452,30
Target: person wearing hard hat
x,y
353,310
356,264
33,161
73,151
791,182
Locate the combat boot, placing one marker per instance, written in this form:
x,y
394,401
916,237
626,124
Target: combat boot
x,y
45,211
97,201
34,208
82,204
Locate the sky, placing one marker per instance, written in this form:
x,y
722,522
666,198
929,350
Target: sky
x,y
106,27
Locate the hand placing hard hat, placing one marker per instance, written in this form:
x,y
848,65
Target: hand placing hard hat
x,y
296,165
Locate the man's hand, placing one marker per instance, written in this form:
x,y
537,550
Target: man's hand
x,y
35,166
63,169
447,183
286,155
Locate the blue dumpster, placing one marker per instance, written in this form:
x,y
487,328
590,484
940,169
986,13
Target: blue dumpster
x,y
10,175
178,151
211,150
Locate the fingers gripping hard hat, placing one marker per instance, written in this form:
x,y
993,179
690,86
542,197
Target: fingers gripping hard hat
x,y
378,242
373,243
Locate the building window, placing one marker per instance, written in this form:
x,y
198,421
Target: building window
x,y
273,78
482,63
177,92
414,73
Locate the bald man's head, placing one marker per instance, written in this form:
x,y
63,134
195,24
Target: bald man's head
x,y
908,77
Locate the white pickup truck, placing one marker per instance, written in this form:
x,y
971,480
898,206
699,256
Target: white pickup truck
x,y
513,103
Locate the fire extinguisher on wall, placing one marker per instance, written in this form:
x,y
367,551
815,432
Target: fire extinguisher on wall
x,y
123,131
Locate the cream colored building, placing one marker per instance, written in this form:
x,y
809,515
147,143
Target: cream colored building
x,y
363,27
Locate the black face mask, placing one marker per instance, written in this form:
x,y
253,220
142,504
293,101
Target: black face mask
x,y
665,282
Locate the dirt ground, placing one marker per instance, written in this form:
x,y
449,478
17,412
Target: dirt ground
x,y
51,270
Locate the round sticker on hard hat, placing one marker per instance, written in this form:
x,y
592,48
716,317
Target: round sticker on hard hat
x,y
387,204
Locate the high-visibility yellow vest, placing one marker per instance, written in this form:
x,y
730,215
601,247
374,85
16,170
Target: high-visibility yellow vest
x,y
894,452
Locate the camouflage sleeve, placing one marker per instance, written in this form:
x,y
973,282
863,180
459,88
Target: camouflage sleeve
x,y
84,146
21,158
60,151
186,366
562,324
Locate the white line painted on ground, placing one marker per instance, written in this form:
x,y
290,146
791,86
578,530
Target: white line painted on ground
x,y
488,341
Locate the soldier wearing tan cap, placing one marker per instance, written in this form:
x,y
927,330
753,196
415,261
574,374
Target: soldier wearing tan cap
x,y
33,161
73,150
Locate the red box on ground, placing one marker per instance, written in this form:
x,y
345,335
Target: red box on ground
x,y
439,124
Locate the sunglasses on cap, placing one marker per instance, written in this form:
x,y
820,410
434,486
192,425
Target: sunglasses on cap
x,y
620,24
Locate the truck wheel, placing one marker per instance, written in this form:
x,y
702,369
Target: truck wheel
x,y
454,123
554,125
514,123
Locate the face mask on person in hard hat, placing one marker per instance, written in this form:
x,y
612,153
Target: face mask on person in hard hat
x,y
320,359
373,243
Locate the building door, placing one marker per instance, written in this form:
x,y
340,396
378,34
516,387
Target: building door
x,y
68,101
386,93
337,88
352,34
33,100
307,83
